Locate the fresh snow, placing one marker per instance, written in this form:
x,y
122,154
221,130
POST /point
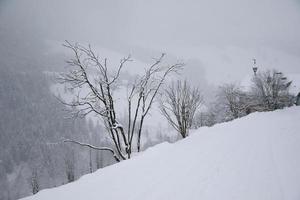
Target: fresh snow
x,y
255,158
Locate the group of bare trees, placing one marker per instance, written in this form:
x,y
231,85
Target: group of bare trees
x,y
93,83
93,77
269,91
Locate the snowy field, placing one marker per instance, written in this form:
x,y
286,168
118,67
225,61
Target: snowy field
x,y
255,158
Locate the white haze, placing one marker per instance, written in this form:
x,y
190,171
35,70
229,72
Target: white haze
x,y
217,39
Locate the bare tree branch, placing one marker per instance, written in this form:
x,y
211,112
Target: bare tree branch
x,y
94,147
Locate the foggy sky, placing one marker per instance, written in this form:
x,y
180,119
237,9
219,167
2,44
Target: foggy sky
x,y
223,36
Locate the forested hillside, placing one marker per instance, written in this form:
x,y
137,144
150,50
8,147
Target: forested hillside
x,y
33,124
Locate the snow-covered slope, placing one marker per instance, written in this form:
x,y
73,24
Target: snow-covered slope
x,y
255,158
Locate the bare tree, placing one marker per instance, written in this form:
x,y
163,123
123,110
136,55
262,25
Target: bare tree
x,y
69,161
270,91
70,170
205,118
179,105
233,100
34,181
90,73
90,161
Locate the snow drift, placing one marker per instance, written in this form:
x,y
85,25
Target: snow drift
x,y
255,157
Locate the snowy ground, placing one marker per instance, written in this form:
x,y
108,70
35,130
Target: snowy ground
x,y
255,158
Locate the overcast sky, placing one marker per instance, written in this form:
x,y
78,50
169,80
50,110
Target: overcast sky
x,y
218,38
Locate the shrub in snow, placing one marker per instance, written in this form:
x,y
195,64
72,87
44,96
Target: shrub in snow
x,y
270,91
